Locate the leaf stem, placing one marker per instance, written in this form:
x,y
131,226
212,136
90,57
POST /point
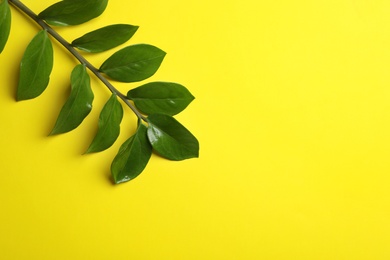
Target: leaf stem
x,y
20,6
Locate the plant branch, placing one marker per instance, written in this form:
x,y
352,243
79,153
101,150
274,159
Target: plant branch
x,y
20,6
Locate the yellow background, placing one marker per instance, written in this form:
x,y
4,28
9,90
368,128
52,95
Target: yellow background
x,y
292,112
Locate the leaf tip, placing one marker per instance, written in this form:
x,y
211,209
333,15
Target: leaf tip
x,y
55,131
91,149
52,133
121,180
21,97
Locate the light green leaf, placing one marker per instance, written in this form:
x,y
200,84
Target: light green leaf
x,y
105,38
133,63
132,158
71,12
109,125
5,23
35,67
171,139
161,97
79,103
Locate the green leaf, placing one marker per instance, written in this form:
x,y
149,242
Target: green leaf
x,y
109,125
161,97
79,103
132,158
133,63
71,12
5,23
35,67
171,139
105,38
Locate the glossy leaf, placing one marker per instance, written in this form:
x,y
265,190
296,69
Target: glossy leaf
x,y
79,103
72,12
109,125
5,23
132,158
171,139
161,97
133,63
35,67
105,38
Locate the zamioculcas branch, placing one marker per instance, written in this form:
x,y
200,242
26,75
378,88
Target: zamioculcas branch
x,y
154,103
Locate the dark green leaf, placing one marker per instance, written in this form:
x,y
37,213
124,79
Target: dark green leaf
x,y
171,139
5,23
79,103
71,12
161,97
133,63
35,67
132,158
105,38
109,125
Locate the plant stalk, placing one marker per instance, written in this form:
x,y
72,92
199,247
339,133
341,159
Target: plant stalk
x,y
23,8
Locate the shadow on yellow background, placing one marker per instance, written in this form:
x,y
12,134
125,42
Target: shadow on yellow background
x,y
292,113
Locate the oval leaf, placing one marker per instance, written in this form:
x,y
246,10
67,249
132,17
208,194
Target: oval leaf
x,y
5,23
132,158
133,63
71,12
171,139
79,103
161,97
35,67
109,125
105,38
